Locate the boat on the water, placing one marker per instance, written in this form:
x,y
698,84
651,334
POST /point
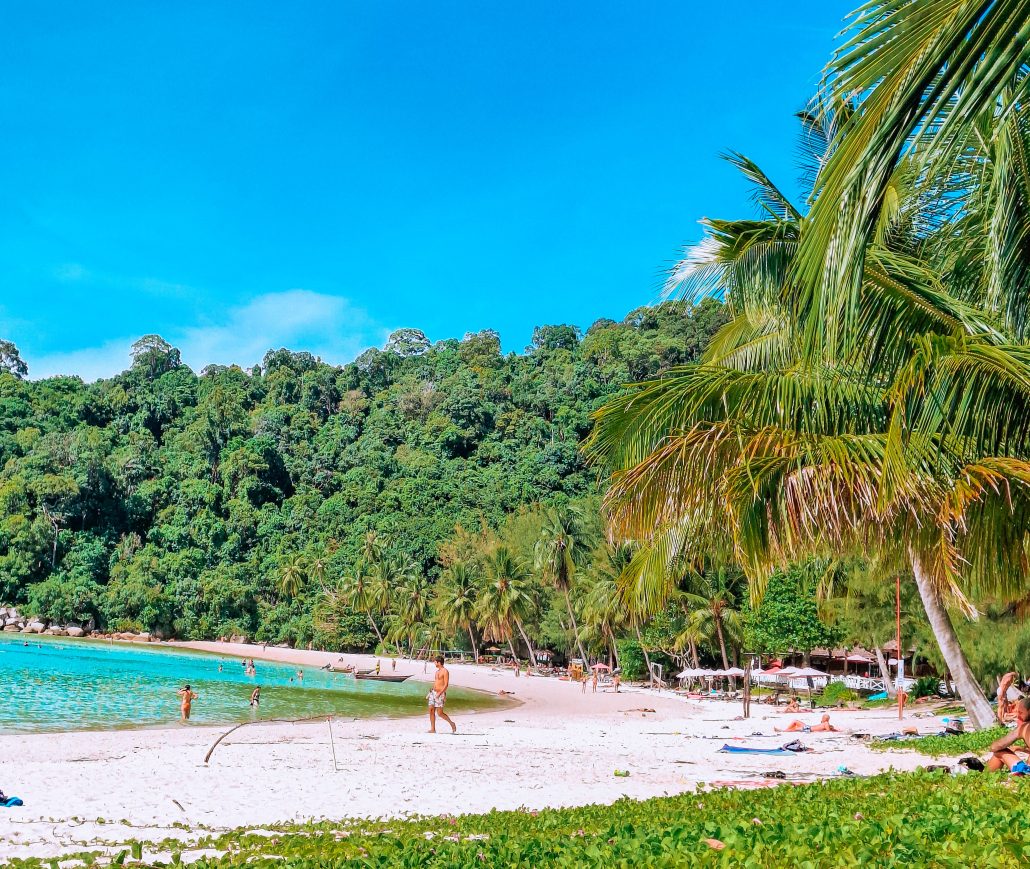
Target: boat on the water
x,y
382,677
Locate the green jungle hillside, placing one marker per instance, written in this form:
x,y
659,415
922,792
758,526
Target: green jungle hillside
x,y
230,501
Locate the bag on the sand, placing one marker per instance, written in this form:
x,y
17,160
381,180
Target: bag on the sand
x,y
796,745
9,802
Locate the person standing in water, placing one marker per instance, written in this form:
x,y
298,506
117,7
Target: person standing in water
x,y
255,697
438,696
186,695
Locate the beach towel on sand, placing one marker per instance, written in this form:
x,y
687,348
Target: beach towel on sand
x,y
748,749
9,802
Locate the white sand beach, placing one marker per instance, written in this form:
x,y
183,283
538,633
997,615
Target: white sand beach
x,y
557,747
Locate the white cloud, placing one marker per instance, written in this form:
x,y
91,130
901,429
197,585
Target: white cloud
x,y
328,326
89,363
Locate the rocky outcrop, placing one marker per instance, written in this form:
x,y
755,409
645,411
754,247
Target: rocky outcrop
x,y
74,631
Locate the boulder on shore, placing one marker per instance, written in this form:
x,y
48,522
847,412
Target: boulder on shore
x,y
73,631
11,628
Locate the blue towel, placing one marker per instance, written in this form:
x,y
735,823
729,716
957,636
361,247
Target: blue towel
x,y
10,802
745,749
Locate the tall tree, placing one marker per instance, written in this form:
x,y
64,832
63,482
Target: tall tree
x,y
455,601
773,449
561,549
506,598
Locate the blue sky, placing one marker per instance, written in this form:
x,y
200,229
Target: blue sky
x,y
237,176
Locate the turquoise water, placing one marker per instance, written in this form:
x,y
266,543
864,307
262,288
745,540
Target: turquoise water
x,y
53,684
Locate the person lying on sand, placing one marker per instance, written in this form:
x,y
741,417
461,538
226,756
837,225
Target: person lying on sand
x,y
1002,753
796,726
187,695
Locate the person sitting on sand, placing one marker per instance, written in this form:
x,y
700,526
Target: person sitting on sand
x,y
1002,754
1008,695
187,695
792,706
438,696
255,696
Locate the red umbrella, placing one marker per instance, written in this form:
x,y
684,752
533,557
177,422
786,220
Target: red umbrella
x,y
600,667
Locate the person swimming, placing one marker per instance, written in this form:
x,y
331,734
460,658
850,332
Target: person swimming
x,y
187,695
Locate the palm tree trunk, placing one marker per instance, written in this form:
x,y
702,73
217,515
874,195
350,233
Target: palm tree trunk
x,y
615,652
525,639
647,658
375,627
888,683
575,627
693,655
475,651
977,706
511,646
722,640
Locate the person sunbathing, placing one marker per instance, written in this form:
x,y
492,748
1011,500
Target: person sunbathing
x,y
1002,753
792,706
796,726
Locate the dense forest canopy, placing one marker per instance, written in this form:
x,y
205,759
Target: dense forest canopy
x,y
185,503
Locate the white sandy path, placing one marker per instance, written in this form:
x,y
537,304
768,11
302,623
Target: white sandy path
x,y
558,748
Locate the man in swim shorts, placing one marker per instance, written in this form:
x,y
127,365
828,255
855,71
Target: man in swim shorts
x,y
187,695
438,696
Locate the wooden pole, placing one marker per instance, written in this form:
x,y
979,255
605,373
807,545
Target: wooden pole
x,y
329,721
897,638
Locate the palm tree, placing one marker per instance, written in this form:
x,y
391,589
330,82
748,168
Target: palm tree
x,y
292,576
413,597
455,601
925,73
506,599
712,599
359,591
318,565
559,551
604,606
774,448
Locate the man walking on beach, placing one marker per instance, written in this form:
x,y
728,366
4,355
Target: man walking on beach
x,y
438,696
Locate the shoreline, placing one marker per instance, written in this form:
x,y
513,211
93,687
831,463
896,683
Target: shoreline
x,y
559,747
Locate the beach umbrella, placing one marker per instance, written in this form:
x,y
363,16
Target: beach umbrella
x,y
809,673
734,671
600,667
858,659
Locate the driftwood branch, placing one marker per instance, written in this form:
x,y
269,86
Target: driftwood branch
x,y
236,727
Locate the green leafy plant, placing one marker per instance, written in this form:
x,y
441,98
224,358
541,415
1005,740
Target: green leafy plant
x,y
912,819
948,745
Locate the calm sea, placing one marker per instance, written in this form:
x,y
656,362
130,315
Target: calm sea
x,y
50,684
